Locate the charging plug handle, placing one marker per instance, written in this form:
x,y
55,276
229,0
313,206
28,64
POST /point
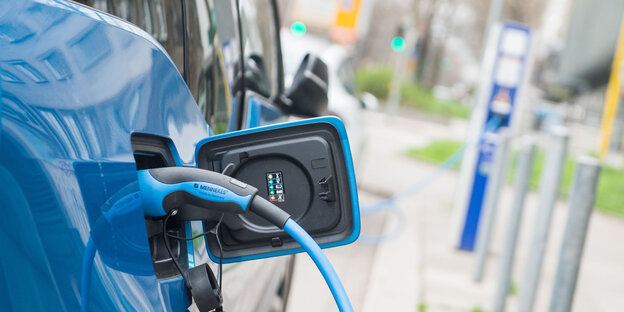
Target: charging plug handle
x,y
193,189
269,211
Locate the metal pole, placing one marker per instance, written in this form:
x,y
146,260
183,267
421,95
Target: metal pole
x,y
394,97
521,186
497,180
581,201
548,194
496,7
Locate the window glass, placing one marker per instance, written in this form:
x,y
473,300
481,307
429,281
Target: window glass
x,y
203,61
213,54
147,17
126,9
259,36
225,38
346,76
101,5
160,21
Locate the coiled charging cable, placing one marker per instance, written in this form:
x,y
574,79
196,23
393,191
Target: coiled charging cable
x,y
390,204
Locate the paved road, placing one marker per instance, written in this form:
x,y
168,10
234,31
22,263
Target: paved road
x,y
419,267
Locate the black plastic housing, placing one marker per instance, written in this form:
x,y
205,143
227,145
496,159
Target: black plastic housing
x,y
316,185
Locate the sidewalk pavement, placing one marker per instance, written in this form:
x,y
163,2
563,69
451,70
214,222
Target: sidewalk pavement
x,y
419,270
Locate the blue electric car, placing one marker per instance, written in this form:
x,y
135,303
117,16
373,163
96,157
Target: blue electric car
x,y
92,91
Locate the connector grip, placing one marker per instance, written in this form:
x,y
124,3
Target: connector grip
x,y
192,190
269,211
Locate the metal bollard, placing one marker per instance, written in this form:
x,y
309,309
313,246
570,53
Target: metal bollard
x,y
521,186
581,201
548,194
497,180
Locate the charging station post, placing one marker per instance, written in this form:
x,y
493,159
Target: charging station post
x,y
506,66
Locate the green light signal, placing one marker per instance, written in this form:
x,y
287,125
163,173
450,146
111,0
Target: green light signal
x,y
298,28
397,44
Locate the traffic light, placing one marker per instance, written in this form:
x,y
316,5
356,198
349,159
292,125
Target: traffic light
x,y
398,42
298,28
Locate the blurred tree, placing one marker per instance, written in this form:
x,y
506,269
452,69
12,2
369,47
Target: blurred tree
x,y
524,11
433,40
436,27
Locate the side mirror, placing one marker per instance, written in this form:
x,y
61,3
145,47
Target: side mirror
x,y
303,167
308,91
369,101
256,78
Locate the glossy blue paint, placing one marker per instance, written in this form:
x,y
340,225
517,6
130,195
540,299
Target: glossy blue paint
x,y
76,83
339,125
482,173
260,112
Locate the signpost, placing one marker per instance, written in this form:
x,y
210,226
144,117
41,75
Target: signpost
x,y
612,98
345,22
506,67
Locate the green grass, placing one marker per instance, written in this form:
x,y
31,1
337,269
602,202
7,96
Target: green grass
x,y
376,80
538,164
610,193
513,289
436,152
422,307
415,96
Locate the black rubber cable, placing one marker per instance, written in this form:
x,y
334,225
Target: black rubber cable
x,y
175,261
188,238
216,228
220,254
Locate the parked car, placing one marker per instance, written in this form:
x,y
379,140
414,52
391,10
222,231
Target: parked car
x,y
91,92
342,95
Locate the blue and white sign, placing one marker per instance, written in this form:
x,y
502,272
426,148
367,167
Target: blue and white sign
x,y
506,65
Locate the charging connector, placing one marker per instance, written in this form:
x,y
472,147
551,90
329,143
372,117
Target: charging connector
x,y
199,194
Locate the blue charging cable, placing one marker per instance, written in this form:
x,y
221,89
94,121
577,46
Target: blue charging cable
x,y
320,259
390,204
87,265
234,197
379,239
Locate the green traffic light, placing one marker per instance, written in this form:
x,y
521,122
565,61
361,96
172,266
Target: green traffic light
x,y
298,28
397,44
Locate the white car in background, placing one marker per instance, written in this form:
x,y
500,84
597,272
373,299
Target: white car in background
x,y
343,101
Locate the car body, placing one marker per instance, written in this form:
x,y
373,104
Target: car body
x,y
88,98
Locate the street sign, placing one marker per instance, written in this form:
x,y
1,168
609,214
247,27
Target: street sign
x,y
506,65
344,27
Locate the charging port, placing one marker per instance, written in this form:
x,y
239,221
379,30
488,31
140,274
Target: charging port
x,y
151,151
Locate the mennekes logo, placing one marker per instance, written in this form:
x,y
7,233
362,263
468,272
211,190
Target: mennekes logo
x,y
207,188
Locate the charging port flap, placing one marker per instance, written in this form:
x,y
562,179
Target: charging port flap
x,y
303,167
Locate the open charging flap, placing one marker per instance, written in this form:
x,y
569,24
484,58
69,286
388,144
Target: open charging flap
x,y
303,167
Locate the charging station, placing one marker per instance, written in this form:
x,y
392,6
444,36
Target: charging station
x,y
506,67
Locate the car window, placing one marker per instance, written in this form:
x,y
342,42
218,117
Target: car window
x,y
346,75
259,36
126,9
101,5
212,54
